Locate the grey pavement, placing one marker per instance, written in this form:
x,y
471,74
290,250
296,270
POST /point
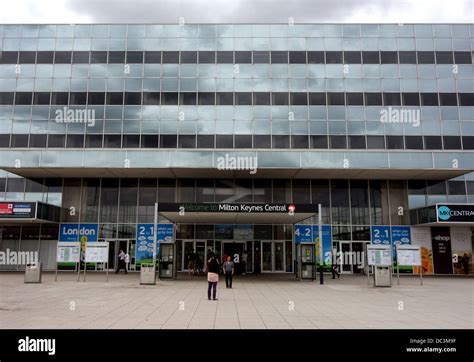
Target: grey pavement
x,y
255,302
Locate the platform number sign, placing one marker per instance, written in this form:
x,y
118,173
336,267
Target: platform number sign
x,y
303,233
381,235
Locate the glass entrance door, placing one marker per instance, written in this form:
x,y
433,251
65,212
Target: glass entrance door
x,y
279,256
344,260
234,249
128,247
267,265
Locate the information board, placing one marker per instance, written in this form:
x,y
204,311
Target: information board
x,y
410,256
97,252
68,252
379,255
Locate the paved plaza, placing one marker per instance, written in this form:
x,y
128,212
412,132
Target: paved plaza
x,y
264,301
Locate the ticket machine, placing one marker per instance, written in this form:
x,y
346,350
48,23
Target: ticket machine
x,y
306,261
166,262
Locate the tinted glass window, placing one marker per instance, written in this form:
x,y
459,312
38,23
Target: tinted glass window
x,y
6,98
452,142
225,98
337,142
131,141
224,141
149,141
466,99
391,99
168,141
23,98
261,98
27,58
80,57
170,57
261,57
112,141
352,57
187,141
9,57
299,99
411,99
134,57
394,142
444,57
207,57
407,57
414,142
462,58
433,143
357,142
373,99
19,140
98,57
205,141
262,141
152,57
60,98
280,142
169,99
41,98
354,99
371,57
133,98
151,98
243,141
206,99
75,141
297,57
94,141
279,57
116,57
78,98
299,141
56,140
280,98
335,99
114,98
38,140
316,57
333,57
243,57
448,99
429,99
45,57
317,99
225,57
319,141
426,57
388,57
96,98
468,142
187,98
243,98
375,142
63,57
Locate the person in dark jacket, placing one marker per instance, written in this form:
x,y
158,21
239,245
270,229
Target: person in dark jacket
x,y
465,263
213,269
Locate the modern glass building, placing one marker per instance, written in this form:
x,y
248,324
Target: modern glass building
x,y
373,122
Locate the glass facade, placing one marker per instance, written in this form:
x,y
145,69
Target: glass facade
x,y
343,98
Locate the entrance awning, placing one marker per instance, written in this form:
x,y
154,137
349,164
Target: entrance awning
x,y
232,213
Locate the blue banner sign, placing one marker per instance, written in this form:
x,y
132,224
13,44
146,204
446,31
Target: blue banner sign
x,y
145,244
303,234
78,232
380,235
165,233
327,243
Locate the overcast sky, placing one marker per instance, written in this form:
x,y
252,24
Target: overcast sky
x,y
236,11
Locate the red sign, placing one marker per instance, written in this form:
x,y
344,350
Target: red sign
x,y
6,208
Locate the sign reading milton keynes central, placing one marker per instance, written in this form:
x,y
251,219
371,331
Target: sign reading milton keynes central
x,y
245,208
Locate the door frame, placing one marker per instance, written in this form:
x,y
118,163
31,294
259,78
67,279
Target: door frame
x,y
223,242
272,243
115,244
348,242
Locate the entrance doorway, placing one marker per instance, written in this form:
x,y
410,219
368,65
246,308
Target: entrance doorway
x,y
273,256
128,246
234,249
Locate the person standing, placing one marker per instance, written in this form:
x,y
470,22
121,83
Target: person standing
x,y
334,271
228,268
465,263
244,262
213,269
121,262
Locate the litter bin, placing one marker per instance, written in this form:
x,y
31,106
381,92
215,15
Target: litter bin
x,y
33,273
382,276
148,274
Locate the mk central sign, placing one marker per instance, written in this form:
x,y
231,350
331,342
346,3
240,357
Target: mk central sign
x,y
455,213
